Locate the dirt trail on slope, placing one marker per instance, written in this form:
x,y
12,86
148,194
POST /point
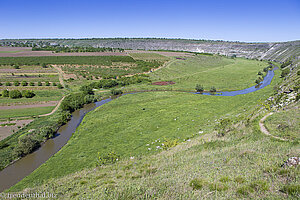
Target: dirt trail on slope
x,y
265,130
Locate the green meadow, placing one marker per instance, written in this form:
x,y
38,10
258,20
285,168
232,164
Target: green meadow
x,y
223,73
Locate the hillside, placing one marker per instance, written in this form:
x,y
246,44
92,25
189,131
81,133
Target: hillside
x,y
278,51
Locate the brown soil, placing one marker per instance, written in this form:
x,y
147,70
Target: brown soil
x,y
50,103
163,83
8,130
24,52
164,53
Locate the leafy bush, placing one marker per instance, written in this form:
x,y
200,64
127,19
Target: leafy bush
x,y
109,158
31,84
260,73
26,145
39,83
223,126
24,83
7,84
213,89
16,83
285,72
54,84
87,89
199,88
59,86
5,93
16,66
198,183
285,64
47,83
116,92
15,94
28,93
169,143
1,84
292,189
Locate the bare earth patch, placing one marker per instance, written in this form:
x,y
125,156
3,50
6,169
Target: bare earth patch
x,y
26,52
50,103
163,83
6,131
164,53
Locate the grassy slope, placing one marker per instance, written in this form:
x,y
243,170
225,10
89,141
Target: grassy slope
x,y
223,73
124,127
285,124
243,164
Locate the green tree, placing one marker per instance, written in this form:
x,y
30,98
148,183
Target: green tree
x,y
7,84
28,93
16,83
5,93
47,83
59,86
15,94
199,88
31,84
213,89
39,83
24,83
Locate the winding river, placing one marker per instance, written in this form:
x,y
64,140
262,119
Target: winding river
x,y
24,166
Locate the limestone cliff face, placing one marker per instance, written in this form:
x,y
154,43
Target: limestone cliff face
x,y
270,51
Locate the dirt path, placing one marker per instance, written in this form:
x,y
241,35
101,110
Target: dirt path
x,y
50,103
55,109
265,130
60,76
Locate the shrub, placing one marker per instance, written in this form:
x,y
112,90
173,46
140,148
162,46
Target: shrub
x,y
292,189
116,92
109,158
199,88
244,190
169,143
16,66
47,132
7,84
1,84
59,86
26,145
15,94
16,83
259,185
5,93
39,83
44,65
47,83
223,126
87,89
285,72
198,183
287,63
218,187
260,73
239,179
54,84
28,93
31,84
24,83
213,89
224,179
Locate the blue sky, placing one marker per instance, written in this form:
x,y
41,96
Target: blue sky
x,y
234,20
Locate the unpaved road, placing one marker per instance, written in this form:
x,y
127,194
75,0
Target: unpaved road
x,y
50,103
265,130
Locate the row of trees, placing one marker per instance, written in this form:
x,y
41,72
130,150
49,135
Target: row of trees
x,y
200,88
62,49
16,94
25,83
